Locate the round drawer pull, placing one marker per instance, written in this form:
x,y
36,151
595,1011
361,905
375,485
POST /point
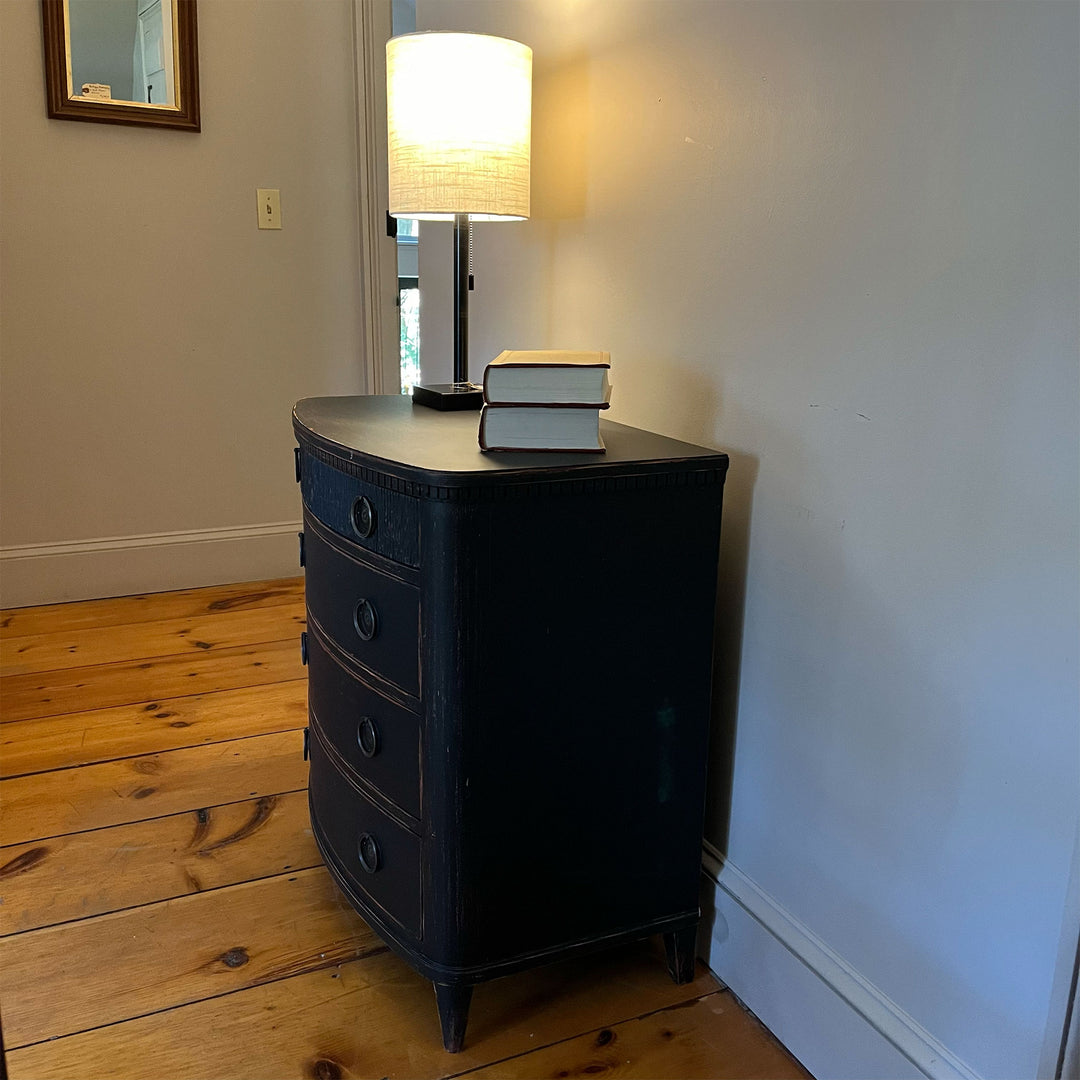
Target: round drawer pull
x,y
365,620
363,517
367,737
367,851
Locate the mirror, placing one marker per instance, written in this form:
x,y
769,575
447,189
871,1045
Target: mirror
x,y
122,61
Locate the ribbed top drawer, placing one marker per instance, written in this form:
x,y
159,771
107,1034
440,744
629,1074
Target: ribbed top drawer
x,y
378,739
371,616
379,520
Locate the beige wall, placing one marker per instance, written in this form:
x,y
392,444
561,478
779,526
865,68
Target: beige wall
x,y
152,340
840,240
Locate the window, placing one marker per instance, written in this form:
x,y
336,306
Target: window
x,y
409,305
408,231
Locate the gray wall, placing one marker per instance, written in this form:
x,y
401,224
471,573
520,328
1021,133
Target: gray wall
x,y
152,340
840,240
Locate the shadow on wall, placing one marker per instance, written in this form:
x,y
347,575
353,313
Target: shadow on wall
x,y
693,414
727,641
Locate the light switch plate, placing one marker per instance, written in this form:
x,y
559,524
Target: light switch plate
x,y
269,208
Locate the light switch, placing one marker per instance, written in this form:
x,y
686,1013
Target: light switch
x,y
269,208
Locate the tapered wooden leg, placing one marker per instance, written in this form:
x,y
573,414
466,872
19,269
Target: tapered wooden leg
x,y
453,1001
681,946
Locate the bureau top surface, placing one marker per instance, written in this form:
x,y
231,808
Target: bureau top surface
x,y
393,434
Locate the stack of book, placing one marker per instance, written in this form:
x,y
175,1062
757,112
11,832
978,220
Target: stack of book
x,y
545,399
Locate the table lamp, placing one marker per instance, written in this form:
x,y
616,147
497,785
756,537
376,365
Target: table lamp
x,y
459,115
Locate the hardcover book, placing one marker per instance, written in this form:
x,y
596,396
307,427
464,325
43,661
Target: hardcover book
x,y
560,428
548,377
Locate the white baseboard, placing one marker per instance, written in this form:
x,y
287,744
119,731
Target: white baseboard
x,y
837,1023
122,565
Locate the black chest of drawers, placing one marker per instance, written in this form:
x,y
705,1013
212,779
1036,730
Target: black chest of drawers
x,y
509,685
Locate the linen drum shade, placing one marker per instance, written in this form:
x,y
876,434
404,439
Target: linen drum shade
x,y
459,118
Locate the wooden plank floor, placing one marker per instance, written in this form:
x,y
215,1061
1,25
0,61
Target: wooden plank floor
x,y
164,911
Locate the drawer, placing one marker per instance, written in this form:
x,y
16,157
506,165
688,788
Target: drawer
x,y
380,858
380,740
367,614
379,520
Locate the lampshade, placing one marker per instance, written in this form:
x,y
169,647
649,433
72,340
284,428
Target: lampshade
x,y
459,118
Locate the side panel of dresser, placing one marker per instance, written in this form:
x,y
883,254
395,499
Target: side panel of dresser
x,y
457,555
566,642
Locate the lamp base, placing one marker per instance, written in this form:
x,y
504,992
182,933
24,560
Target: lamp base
x,y
448,396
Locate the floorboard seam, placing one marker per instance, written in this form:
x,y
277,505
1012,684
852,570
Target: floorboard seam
x,y
580,1034
155,817
150,753
160,900
152,660
269,583
4,613
376,951
195,652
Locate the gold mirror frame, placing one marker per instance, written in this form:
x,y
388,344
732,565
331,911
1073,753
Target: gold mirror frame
x,y
63,106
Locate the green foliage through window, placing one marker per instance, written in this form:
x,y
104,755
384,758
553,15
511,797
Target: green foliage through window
x,y
410,338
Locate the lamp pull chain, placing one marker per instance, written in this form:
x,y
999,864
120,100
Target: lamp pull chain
x,y
472,283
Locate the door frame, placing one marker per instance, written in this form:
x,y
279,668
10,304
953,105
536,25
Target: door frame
x,y
1060,1047
372,27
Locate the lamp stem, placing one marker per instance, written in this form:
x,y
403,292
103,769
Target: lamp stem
x,y
461,298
